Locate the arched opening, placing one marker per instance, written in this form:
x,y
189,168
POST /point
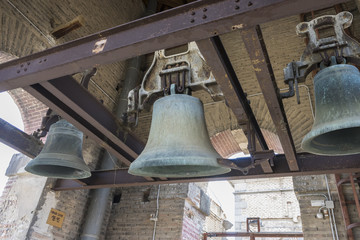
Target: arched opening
x,y
10,113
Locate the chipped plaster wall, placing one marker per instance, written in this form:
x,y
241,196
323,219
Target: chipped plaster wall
x,y
18,202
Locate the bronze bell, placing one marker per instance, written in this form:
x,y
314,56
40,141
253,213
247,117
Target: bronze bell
x,y
336,129
178,144
61,156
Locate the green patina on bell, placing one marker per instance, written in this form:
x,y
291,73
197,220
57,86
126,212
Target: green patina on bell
x,y
336,129
61,156
178,144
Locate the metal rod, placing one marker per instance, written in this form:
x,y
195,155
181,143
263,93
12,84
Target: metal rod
x,y
253,235
344,209
309,165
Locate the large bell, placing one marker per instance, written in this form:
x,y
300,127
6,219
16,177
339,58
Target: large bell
x,y
178,144
61,156
336,129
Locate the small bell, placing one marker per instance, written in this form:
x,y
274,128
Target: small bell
x,y
61,156
178,144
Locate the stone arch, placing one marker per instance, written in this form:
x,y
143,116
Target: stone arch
x,y
31,109
227,143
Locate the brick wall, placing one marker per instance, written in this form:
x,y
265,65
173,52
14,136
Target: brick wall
x,y
272,200
130,218
309,188
214,222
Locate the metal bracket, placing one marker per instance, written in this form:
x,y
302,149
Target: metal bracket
x,y
321,49
86,77
187,70
50,118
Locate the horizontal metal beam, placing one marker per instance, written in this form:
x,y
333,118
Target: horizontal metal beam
x,y
253,234
255,46
216,57
74,103
191,22
308,165
18,140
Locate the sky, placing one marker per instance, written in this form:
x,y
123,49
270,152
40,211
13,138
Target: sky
x,y
10,113
222,192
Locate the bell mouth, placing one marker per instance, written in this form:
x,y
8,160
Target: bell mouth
x,y
179,171
58,171
344,141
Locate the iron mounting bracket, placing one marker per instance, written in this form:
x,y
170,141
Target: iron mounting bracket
x,y
187,70
320,50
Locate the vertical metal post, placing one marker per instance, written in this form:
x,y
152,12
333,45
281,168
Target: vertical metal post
x,y
344,209
205,236
252,237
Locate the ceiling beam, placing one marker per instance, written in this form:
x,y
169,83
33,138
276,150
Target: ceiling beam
x,y
190,22
309,164
18,140
254,235
255,46
74,103
216,57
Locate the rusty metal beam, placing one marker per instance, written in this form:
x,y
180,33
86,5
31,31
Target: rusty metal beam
x,y
216,57
191,22
308,165
73,102
18,140
256,49
253,235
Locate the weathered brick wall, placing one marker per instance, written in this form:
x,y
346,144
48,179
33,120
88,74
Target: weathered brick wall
x,y
272,200
309,188
195,211
214,222
18,203
130,218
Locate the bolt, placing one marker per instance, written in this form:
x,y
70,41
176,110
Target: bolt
x,y
193,13
237,7
205,9
192,20
204,17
